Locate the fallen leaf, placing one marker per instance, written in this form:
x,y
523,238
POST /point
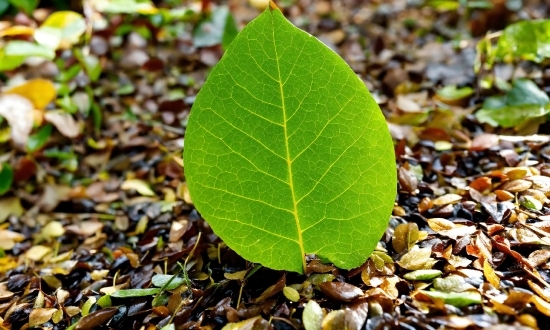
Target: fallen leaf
x,y
457,299
417,259
312,316
37,252
64,122
291,294
40,92
340,291
18,111
490,274
40,316
405,236
138,185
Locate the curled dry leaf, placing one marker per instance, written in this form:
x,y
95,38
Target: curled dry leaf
x,y
64,122
407,180
405,236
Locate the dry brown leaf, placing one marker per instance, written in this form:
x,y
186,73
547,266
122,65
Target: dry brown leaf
x,y
516,185
405,236
417,258
447,199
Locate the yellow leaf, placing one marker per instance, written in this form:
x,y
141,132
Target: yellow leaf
x,y
40,316
7,263
542,306
37,252
490,274
439,224
39,91
17,30
138,185
10,206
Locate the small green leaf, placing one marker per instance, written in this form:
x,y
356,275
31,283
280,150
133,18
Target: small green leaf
x,y
423,275
286,149
451,94
160,280
105,301
37,140
6,178
530,202
161,299
291,294
88,305
131,293
18,48
457,299
126,7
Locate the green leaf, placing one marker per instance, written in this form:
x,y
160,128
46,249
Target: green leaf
x,y
28,6
423,275
529,40
287,153
524,91
126,7
39,139
457,299
18,48
131,293
522,102
10,62
452,93
6,178
160,280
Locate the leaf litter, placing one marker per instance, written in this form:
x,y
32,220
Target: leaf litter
x,y
97,228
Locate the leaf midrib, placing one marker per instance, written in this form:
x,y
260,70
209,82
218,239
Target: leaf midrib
x,y
287,148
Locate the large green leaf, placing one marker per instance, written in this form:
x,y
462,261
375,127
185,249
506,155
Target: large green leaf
x,y
287,153
524,101
529,40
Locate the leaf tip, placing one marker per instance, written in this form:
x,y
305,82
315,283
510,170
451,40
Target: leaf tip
x,y
272,5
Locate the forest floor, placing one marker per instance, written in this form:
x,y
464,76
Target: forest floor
x,y
94,199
